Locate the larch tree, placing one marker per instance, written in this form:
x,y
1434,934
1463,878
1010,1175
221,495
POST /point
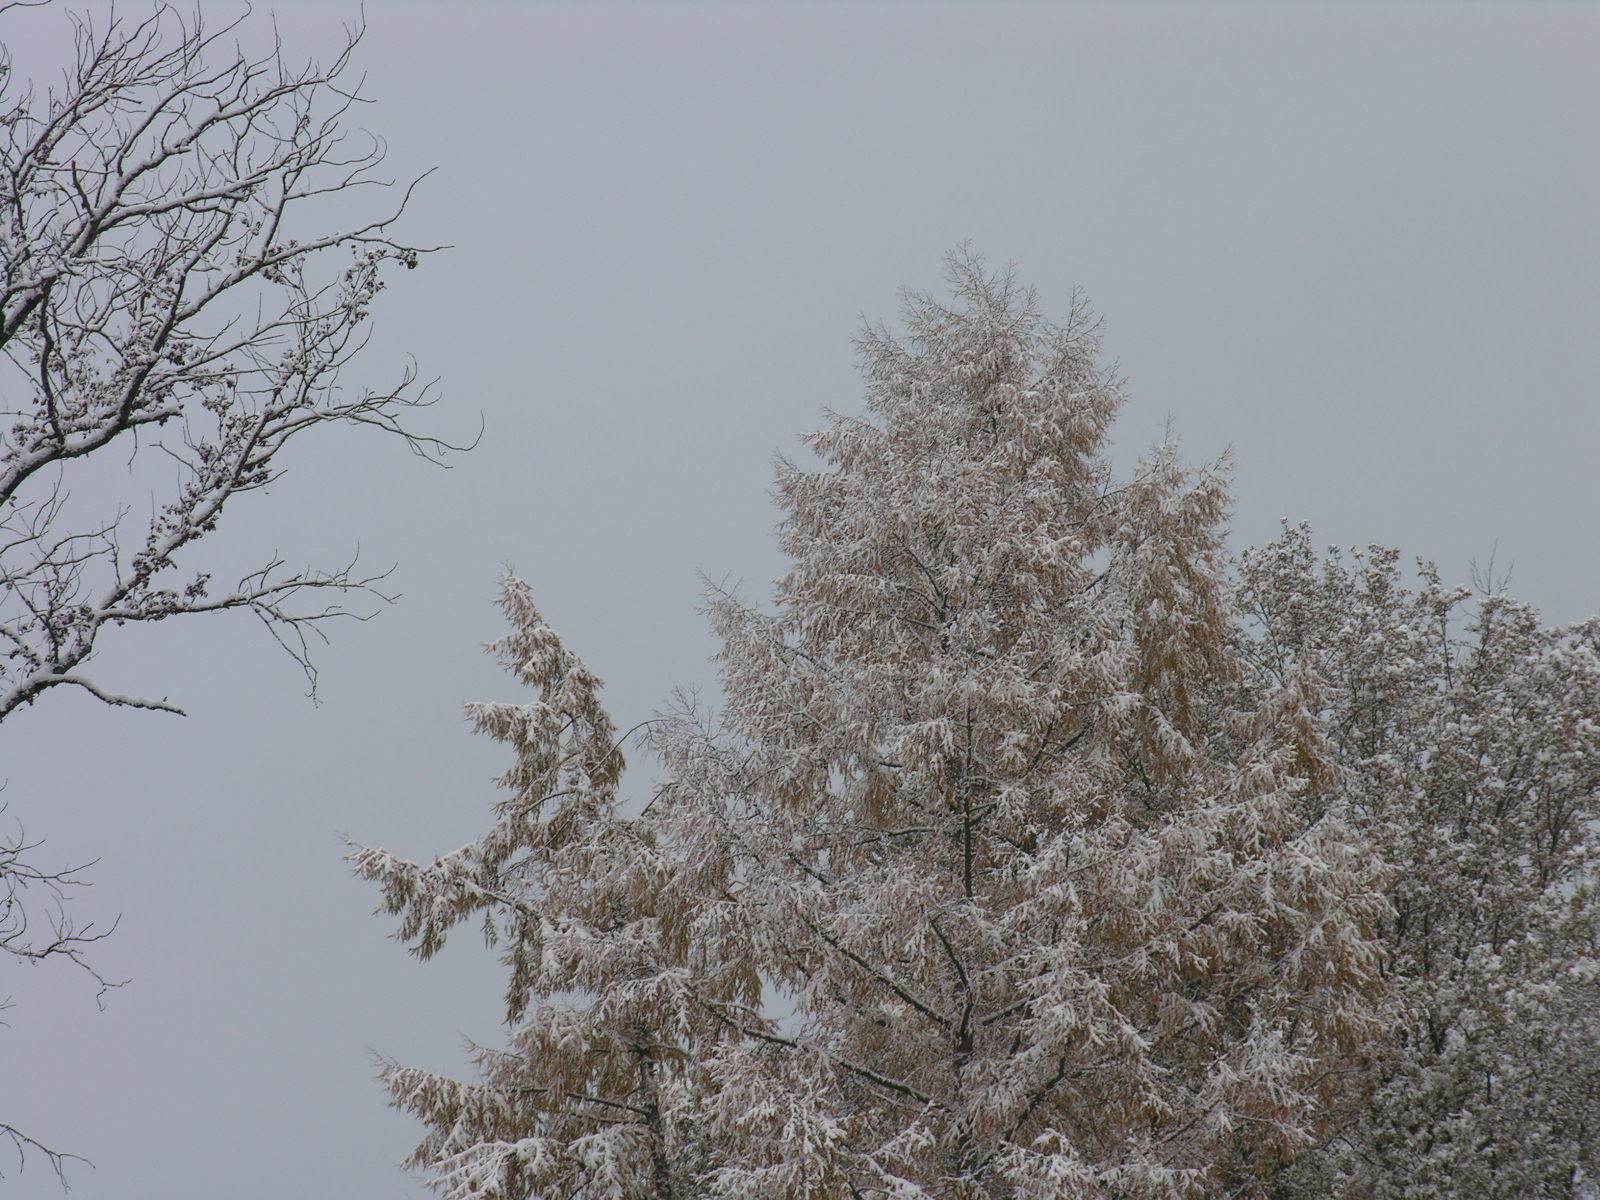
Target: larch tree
x,y
982,883
1469,737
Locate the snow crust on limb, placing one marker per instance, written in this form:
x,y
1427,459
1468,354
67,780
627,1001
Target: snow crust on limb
x,y
179,303
984,884
1469,734
159,325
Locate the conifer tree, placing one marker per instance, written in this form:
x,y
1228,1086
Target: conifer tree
x,y
981,884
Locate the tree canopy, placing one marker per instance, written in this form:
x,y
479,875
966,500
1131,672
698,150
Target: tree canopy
x,y
1021,858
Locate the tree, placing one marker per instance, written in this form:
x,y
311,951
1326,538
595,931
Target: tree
x,y
981,886
173,314
1470,739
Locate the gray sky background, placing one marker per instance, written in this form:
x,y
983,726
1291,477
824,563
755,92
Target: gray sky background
x,y
1353,242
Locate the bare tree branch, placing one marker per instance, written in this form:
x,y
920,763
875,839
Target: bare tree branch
x,y
171,296
58,1159
155,298
36,926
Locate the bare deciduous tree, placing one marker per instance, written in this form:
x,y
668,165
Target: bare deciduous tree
x,y
162,294
172,316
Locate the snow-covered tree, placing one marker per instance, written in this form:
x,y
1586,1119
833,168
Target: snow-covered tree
x,y
173,298
980,885
1469,737
178,300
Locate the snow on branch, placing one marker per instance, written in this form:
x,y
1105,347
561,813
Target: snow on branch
x,y
169,303
190,251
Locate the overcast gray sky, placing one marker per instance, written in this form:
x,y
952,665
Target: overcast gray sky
x,y
1354,242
